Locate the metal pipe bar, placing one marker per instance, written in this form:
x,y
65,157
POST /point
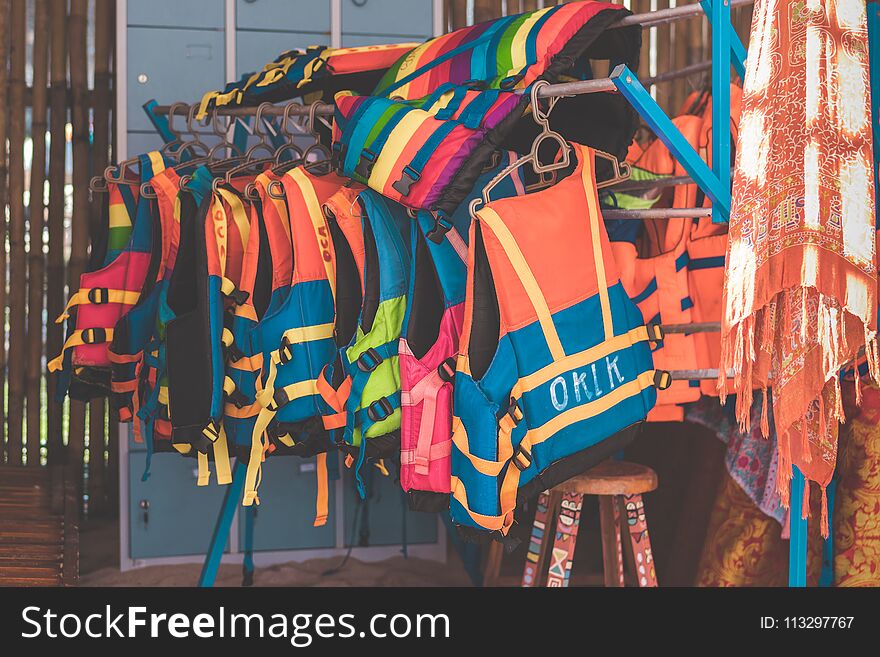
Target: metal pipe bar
x,y
683,72
657,213
663,16
695,327
692,375
275,110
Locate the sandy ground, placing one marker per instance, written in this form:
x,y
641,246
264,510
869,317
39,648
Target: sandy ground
x,y
99,566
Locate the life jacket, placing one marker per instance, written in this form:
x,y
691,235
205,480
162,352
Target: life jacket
x,y
266,279
425,134
429,345
202,290
139,383
362,384
317,72
675,269
109,289
295,340
555,370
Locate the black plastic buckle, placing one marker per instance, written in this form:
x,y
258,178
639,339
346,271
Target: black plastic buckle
x,y
510,82
337,157
284,351
382,405
655,333
369,360
279,399
99,295
237,398
407,180
442,225
238,296
211,432
234,352
662,379
446,370
365,163
520,451
477,85
94,335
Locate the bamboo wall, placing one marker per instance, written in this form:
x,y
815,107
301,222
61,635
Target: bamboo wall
x,y
55,133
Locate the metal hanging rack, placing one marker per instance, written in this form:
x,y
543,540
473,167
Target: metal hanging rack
x,y
727,51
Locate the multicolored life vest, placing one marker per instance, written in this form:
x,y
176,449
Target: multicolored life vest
x,y
429,345
110,288
674,269
362,384
295,340
317,72
571,375
202,290
140,384
439,113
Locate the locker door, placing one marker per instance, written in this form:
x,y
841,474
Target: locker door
x,y
286,15
168,514
206,14
171,65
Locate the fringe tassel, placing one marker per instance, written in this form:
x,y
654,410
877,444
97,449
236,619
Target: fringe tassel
x,y
805,507
805,442
824,513
765,420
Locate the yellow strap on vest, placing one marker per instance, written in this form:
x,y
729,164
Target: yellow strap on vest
x,y
226,338
221,458
265,398
182,448
228,385
322,505
204,471
239,215
380,465
559,367
589,182
317,217
76,339
163,395
527,278
104,296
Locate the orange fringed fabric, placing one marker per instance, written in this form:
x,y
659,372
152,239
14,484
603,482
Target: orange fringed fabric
x,y
800,296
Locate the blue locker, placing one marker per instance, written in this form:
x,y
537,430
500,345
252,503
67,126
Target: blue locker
x,y
255,49
288,15
171,65
179,516
285,517
206,14
381,516
379,17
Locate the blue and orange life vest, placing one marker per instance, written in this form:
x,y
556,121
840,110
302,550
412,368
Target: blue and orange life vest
x,y
202,291
439,113
429,345
294,341
555,370
119,265
362,383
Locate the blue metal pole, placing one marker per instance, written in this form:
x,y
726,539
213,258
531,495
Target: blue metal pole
x,y
797,544
721,160
160,123
247,564
737,49
221,529
629,86
827,576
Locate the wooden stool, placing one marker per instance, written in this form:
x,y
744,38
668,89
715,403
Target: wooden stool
x,y
614,482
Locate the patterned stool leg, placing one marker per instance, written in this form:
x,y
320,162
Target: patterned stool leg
x,y
537,540
641,543
612,545
566,536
